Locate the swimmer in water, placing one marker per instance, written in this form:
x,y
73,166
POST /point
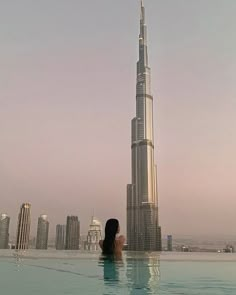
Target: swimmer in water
x,y
112,244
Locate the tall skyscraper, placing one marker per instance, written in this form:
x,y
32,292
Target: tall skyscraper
x,y
143,230
42,233
60,237
72,233
4,231
23,228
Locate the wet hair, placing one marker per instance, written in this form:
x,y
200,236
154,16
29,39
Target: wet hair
x,y
111,229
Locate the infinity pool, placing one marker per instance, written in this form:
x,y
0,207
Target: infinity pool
x,y
60,272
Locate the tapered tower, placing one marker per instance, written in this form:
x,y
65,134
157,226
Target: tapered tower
x,y
143,230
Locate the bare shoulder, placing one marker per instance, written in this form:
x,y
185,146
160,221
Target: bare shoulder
x,y
121,240
101,244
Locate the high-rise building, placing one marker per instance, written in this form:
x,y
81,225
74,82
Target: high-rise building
x,y
169,243
72,233
42,233
143,230
4,231
94,235
60,237
23,227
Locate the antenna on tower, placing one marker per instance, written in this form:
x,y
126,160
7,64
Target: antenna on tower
x,y
92,214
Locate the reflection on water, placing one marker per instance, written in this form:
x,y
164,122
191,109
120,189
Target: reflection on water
x,y
143,274
110,267
138,273
18,259
134,274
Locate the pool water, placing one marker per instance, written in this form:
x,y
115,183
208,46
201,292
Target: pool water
x,y
62,272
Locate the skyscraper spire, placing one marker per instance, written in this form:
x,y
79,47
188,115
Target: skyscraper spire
x,y
143,230
142,15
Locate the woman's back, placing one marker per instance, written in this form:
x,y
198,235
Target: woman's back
x,y
112,244
117,247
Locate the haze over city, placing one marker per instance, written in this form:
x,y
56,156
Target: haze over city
x,y
67,96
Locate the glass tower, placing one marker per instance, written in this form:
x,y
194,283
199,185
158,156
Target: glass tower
x,y
60,236
4,231
42,233
72,233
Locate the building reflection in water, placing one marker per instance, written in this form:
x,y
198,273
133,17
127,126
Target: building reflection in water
x,y
134,274
19,258
143,273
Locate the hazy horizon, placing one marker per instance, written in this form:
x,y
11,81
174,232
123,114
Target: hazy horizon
x,y
67,97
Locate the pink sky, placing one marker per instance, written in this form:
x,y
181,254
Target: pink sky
x,y
67,96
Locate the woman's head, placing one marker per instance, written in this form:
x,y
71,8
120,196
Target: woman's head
x,y
111,229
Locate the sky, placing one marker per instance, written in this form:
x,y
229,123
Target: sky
x,y
67,97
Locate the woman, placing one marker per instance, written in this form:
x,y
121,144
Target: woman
x,y
112,245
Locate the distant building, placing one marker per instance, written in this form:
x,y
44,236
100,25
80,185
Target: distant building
x,y
72,233
169,243
23,227
229,249
32,242
185,248
60,237
42,233
4,231
94,235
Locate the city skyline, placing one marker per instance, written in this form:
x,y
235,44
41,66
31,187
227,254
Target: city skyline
x,y
65,141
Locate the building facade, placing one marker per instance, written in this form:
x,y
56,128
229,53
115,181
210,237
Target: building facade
x,y
169,243
60,237
4,231
23,227
42,233
143,230
72,233
94,235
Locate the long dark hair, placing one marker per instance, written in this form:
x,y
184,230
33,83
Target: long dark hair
x,y
111,229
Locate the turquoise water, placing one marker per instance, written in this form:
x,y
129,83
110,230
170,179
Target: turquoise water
x,y
50,273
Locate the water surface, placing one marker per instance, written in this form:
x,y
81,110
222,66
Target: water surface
x,y
68,272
